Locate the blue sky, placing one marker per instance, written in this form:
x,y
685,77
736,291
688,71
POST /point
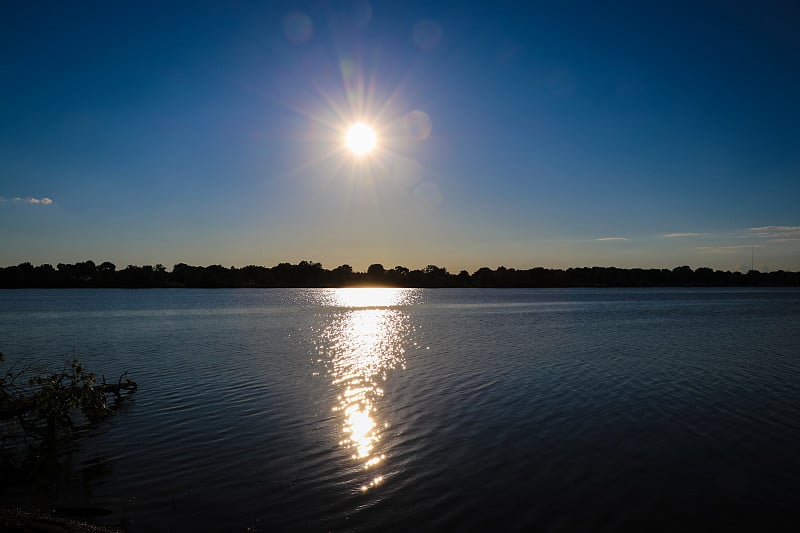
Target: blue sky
x,y
557,134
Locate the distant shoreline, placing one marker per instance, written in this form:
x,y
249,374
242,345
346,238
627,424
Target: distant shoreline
x,y
307,274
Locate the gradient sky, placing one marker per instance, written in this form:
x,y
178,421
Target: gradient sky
x,y
631,134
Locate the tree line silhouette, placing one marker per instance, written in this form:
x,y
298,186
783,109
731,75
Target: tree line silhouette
x,y
312,274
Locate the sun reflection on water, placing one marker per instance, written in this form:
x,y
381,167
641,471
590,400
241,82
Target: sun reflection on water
x,y
364,343
372,297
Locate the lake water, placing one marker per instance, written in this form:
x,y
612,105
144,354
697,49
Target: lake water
x,y
408,409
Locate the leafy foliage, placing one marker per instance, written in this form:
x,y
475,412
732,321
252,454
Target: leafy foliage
x,y
57,392
40,406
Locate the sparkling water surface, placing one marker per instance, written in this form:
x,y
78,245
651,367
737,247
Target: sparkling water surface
x,y
410,409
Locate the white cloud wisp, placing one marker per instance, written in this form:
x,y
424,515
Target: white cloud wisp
x,y
44,200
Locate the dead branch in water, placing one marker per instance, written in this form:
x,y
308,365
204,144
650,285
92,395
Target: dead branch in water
x,y
38,405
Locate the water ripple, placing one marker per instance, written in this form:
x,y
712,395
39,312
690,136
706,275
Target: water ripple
x,y
473,410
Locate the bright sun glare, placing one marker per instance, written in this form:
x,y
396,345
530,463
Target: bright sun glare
x,y
361,139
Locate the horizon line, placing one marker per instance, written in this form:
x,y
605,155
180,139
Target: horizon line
x,y
742,267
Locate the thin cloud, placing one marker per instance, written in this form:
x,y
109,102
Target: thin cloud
x,y
783,233
44,200
727,248
2,200
612,239
670,235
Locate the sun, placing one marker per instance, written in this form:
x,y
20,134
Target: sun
x,y
361,139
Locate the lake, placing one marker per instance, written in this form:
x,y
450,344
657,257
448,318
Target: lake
x,y
411,409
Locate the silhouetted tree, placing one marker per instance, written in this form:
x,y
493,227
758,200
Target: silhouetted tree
x,y
342,275
682,275
45,276
376,274
312,274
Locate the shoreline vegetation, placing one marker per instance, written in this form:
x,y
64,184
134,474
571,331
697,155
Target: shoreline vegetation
x,y
42,411
40,408
308,274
